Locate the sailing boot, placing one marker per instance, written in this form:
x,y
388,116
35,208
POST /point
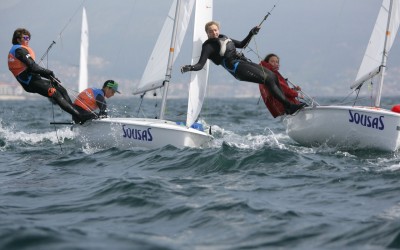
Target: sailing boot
x,y
67,107
294,107
290,108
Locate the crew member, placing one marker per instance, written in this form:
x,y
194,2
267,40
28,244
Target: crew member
x,y
221,50
32,77
91,99
271,62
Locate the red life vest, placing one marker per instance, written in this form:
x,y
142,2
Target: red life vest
x,y
14,64
274,106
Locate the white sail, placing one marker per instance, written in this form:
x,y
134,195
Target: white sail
x,y
198,83
154,73
83,68
374,54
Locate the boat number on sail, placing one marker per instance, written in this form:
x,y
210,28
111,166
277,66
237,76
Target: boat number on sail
x,y
367,120
137,134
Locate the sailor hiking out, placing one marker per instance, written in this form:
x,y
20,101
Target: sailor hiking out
x,y
221,50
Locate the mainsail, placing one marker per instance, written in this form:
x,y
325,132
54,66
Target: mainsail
x,y
198,84
84,51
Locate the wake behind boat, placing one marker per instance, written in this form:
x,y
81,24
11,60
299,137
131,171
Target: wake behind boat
x,y
154,133
356,127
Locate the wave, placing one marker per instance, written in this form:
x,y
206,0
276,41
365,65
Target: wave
x,y
10,135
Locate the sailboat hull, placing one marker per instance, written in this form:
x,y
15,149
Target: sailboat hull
x,y
127,133
345,127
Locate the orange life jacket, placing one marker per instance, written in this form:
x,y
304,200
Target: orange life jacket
x,y
87,99
14,64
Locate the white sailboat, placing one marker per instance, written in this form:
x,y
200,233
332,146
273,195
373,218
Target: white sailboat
x,y
155,133
356,127
84,53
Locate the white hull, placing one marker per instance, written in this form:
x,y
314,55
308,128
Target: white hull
x,y
345,127
126,133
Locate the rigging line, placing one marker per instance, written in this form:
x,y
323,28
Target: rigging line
x,y
140,104
55,129
61,32
256,52
304,93
120,33
262,67
156,102
74,94
46,54
53,79
88,108
357,98
262,21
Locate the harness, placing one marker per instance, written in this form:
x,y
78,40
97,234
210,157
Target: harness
x,y
234,67
230,57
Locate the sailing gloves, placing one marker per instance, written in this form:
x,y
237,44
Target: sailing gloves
x,y
186,68
47,73
55,81
255,30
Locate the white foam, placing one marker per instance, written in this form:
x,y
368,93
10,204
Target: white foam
x,y
248,141
10,135
391,213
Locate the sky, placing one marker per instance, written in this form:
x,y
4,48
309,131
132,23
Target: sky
x,y
320,42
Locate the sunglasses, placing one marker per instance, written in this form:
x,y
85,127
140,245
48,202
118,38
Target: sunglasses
x,y
26,38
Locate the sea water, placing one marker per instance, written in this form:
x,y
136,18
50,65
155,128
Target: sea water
x,y
252,188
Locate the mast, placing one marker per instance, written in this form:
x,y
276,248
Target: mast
x,y
384,57
170,60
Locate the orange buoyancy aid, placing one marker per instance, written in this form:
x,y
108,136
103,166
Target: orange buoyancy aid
x,y
87,99
14,64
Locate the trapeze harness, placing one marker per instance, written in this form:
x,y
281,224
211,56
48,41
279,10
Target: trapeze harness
x,y
230,57
16,66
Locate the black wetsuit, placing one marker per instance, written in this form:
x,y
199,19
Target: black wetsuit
x,y
222,51
31,80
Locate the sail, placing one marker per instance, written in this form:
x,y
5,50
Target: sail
x,y
373,57
198,83
154,73
83,68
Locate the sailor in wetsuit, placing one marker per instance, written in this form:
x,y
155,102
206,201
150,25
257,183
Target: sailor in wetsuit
x,y
92,99
222,50
32,77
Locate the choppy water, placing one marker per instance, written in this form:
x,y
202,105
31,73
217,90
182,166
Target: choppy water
x,y
254,188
